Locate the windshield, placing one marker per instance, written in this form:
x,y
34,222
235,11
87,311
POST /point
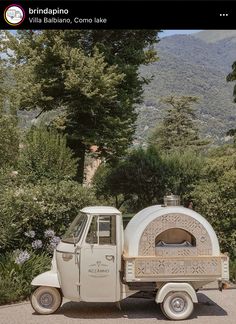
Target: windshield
x,y
74,233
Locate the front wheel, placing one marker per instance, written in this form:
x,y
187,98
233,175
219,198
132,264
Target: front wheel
x,y
46,300
177,305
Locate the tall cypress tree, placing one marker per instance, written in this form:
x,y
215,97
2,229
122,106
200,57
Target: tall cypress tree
x,y
232,77
9,135
178,130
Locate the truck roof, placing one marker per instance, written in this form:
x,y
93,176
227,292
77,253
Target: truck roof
x,y
102,210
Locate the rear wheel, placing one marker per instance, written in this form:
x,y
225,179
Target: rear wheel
x,y
46,300
177,305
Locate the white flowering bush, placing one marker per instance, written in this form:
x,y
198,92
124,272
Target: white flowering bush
x,y
38,201
36,216
17,269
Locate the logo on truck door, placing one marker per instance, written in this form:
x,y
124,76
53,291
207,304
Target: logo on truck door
x,y
98,269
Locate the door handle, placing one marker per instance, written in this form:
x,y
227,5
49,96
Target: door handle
x,y
67,256
110,257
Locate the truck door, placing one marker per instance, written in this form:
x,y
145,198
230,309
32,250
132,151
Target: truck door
x,y
98,266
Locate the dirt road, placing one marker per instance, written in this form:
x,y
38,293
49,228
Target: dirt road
x,y
214,308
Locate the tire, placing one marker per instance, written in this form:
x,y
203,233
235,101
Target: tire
x,y
162,309
177,305
46,300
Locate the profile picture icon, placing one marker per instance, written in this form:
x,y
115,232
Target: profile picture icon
x,y
14,15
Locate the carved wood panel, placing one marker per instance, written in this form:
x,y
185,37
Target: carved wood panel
x,y
161,224
200,266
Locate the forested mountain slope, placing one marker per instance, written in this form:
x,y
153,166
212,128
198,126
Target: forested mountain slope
x,y
196,65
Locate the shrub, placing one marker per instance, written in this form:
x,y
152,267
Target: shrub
x,y
232,269
39,208
214,196
45,155
138,179
182,171
10,232
145,176
9,143
16,277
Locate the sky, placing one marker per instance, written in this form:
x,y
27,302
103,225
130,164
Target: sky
x,y
177,32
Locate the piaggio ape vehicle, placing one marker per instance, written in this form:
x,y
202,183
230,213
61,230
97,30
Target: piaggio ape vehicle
x,y
169,250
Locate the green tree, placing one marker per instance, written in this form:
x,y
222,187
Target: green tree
x,y
183,170
178,130
45,155
9,134
2,90
232,133
145,177
90,77
9,143
137,179
232,77
215,195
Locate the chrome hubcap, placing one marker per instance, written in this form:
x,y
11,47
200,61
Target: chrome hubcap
x,y
178,304
46,300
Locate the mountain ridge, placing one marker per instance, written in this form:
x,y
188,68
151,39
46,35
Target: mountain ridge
x,y
213,36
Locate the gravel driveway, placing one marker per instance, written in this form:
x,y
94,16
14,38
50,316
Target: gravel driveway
x,y
214,308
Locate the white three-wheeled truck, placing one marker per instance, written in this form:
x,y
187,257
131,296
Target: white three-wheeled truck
x,y
169,250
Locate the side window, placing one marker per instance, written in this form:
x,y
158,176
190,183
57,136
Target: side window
x,y
92,237
102,230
